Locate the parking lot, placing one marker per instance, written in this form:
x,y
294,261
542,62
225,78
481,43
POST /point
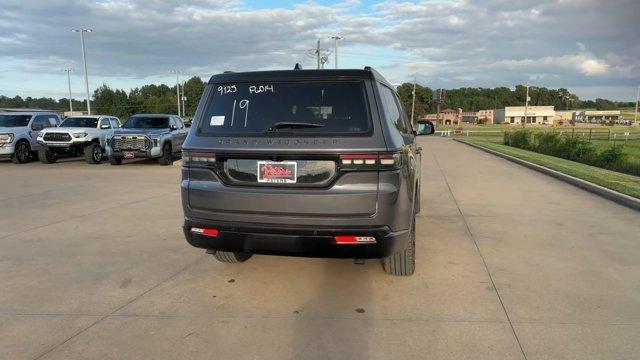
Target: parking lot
x,y
511,264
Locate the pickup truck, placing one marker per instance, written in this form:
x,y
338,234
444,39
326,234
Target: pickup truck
x,y
152,136
19,132
77,136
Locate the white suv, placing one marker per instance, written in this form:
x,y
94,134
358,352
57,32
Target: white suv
x,y
77,136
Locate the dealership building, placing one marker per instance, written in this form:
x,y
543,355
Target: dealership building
x,y
534,115
597,116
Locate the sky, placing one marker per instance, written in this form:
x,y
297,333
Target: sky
x,y
591,47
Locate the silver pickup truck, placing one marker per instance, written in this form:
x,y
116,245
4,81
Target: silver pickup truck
x,y
77,136
151,136
19,132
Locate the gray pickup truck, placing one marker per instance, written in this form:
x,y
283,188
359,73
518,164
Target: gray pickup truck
x,y
154,136
19,133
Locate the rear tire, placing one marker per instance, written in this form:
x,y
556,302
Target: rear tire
x,y
93,153
167,156
403,263
46,156
115,160
22,153
231,257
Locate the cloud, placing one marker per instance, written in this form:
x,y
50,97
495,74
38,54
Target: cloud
x,y
446,42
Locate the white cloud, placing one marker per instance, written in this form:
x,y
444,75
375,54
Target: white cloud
x,y
593,67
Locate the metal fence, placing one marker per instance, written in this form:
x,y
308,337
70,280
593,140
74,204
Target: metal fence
x,y
588,134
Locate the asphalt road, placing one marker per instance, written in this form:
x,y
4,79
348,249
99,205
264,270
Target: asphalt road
x,y
511,264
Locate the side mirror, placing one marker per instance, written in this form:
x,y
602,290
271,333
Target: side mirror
x,y
105,126
37,127
187,125
425,127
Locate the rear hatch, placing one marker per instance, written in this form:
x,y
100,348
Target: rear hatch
x,y
286,148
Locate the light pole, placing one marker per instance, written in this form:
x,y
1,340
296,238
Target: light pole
x,y
68,71
177,88
335,44
184,98
526,106
84,60
635,117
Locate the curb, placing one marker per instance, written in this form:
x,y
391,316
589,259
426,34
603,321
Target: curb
x,y
612,195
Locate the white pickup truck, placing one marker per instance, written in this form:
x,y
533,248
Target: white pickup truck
x,y
77,136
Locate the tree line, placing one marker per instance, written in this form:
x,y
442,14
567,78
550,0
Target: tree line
x,y
160,99
474,99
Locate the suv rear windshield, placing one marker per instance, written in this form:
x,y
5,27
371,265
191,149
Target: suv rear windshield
x,y
84,122
146,122
14,120
310,108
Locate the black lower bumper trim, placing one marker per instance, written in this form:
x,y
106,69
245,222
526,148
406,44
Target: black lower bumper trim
x,y
295,241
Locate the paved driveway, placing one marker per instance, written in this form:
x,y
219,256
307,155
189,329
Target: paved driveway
x,y
511,263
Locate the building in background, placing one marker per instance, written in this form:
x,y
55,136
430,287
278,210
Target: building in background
x,y
564,117
515,115
447,117
597,116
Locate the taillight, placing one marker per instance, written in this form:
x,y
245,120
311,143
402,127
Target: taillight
x,y
205,231
352,239
197,158
376,161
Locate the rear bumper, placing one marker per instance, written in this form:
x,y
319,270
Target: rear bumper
x,y
295,240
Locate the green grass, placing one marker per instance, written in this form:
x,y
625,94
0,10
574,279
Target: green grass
x,y
624,183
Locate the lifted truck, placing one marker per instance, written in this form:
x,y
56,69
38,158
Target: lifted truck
x,y
77,136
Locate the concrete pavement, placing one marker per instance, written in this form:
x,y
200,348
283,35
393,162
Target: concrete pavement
x,y
510,263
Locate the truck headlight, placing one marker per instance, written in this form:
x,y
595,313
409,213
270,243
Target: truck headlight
x,y
79,135
6,138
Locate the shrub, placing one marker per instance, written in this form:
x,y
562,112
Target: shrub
x,y
572,148
520,138
611,157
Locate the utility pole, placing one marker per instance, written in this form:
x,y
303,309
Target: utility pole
x,y
318,54
335,44
178,88
413,101
84,60
69,82
635,118
526,106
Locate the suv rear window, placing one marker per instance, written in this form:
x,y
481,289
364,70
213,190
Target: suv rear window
x,y
310,108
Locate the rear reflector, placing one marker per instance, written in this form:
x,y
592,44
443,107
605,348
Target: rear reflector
x,y
348,239
206,232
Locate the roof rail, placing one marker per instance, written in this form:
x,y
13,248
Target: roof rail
x,y
228,72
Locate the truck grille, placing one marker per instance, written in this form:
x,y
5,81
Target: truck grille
x,y
136,142
61,137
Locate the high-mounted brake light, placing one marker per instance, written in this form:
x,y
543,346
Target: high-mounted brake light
x,y
351,239
205,231
381,161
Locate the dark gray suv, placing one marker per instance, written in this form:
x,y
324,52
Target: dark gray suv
x,y
319,163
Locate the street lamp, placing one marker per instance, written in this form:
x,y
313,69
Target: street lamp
x,y
335,39
69,82
84,60
177,88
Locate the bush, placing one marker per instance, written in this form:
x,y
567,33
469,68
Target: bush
x,y
571,148
611,157
520,138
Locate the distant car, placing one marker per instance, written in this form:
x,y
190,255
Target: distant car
x,y
77,136
155,136
19,133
